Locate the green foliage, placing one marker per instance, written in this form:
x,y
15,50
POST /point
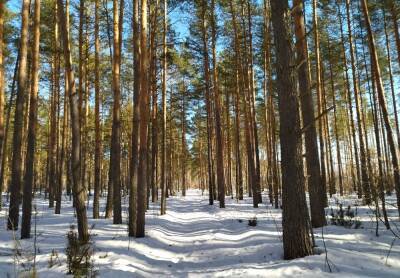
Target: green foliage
x,y
345,217
79,255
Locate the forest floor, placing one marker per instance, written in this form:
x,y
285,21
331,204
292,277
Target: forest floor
x,y
197,240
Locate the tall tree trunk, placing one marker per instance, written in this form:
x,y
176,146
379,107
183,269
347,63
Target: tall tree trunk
x,y
338,152
97,152
79,194
67,91
394,16
164,113
208,103
228,142
30,150
115,159
296,241
239,172
183,140
380,178
382,101
85,111
319,90
135,123
252,94
276,181
217,103
16,164
81,68
154,108
266,86
315,187
52,151
143,124
55,114
2,89
248,113
357,184
392,89
364,170
62,155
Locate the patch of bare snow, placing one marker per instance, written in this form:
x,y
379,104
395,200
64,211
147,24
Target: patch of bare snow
x,y
197,240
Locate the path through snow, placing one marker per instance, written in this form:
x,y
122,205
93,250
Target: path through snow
x,y
198,240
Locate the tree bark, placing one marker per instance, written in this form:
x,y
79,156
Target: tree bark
x,y
296,241
364,170
338,152
183,140
97,153
16,164
217,103
382,101
319,90
389,59
356,182
252,95
30,150
164,113
208,104
115,159
394,15
143,125
79,194
2,89
315,186
135,123
154,96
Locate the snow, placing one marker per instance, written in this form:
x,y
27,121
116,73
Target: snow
x,y
197,240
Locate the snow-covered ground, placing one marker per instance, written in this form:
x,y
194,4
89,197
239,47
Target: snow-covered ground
x,y
198,240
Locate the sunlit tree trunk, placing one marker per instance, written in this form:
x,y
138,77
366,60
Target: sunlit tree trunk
x,y
211,184
183,140
97,152
55,187
238,75
30,150
356,182
55,93
79,194
154,97
335,125
319,90
115,158
247,105
81,66
296,241
394,16
143,124
229,143
16,164
2,89
380,178
62,154
363,159
391,78
135,123
252,95
217,104
382,101
164,113
315,187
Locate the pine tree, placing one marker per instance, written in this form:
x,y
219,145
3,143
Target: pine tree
x,y
296,241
